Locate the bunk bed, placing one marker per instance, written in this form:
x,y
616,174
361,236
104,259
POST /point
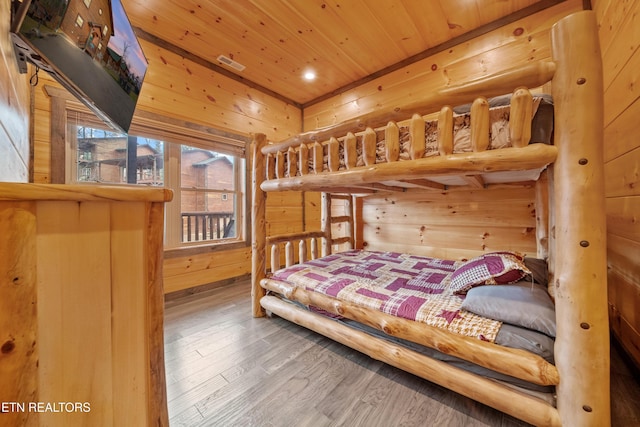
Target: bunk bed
x,y
379,151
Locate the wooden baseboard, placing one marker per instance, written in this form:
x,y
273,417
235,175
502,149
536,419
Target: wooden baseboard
x,y
171,296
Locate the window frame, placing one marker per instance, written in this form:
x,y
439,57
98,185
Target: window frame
x,y
67,112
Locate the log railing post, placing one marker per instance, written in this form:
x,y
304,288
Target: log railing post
x,y
369,147
317,157
334,154
350,151
480,125
445,131
520,116
326,224
417,141
304,159
292,162
392,142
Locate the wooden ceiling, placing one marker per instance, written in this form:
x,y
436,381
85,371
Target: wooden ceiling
x,y
345,42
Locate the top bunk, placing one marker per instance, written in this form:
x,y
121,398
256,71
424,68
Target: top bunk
x,y
495,130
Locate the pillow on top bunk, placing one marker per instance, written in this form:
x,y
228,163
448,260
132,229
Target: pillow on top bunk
x,y
522,304
495,268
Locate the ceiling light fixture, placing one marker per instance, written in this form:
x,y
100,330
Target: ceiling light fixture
x,y
309,75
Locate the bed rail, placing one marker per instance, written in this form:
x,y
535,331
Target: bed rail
x,y
358,161
516,363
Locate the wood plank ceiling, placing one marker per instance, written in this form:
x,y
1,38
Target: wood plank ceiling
x,y
345,42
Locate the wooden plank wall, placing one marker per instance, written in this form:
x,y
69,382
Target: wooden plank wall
x,y
187,91
455,224
620,43
14,108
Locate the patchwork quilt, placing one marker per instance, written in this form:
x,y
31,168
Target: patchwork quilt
x,y
402,285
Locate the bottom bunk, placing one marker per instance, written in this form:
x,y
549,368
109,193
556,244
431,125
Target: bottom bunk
x,y
414,313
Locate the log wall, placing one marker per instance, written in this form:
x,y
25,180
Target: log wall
x,y
14,108
620,43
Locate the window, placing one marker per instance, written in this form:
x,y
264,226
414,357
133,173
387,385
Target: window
x,y
87,3
209,184
79,21
206,179
103,157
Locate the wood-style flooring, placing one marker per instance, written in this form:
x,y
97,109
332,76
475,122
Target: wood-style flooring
x,y
226,368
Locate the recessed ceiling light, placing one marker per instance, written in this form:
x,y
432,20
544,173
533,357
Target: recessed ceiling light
x,y
309,75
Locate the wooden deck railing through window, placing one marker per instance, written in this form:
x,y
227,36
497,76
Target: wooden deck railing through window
x,y
199,226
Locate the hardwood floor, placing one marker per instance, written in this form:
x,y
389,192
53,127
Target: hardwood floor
x,y
225,368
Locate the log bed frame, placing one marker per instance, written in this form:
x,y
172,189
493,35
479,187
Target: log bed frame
x,y
570,201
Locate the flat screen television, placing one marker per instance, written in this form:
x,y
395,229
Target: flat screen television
x,y
89,46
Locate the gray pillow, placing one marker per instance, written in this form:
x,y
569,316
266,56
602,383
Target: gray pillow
x,y
539,270
522,304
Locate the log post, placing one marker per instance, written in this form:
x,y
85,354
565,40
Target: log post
x,y
417,141
304,159
348,206
334,154
275,258
292,162
480,124
326,224
317,157
582,343
392,142
302,251
288,251
258,223
350,151
369,147
279,164
445,131
314,248
520,116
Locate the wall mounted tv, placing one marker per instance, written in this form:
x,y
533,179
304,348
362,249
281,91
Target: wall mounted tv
x,y
89,47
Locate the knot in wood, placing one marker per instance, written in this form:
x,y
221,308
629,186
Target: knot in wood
x,y
584,243
8,347
581,81
583,161
584,325
587,408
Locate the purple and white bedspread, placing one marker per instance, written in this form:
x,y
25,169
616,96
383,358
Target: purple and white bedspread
x,y
408,286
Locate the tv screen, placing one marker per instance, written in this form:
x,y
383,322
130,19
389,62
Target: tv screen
x,y
89,47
